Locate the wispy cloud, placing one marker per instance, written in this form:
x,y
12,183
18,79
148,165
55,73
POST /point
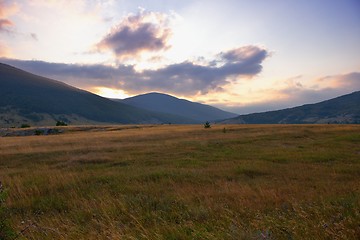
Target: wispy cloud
x,y
294,92
184,78
350,81
4,23
34,36
7,8
320,89
142,32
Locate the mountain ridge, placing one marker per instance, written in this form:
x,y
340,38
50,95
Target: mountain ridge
x,y
29,98
26,97
161,102
341,109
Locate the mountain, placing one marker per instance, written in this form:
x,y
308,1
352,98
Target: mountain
x,y
164,103
31,99
343,109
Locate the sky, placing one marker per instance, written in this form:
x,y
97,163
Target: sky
x,y
243,56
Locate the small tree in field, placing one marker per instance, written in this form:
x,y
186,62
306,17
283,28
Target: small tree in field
x,y
61,123
207,125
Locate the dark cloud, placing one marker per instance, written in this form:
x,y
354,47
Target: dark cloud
x,y
184,78
189,78
247,54
146,31
83,76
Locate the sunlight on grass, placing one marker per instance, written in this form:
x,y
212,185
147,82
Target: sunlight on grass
x,y
185,182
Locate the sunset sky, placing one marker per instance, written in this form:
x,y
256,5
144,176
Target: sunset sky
x,y
241,55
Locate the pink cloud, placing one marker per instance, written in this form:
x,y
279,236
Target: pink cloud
x,y
295,92
4,23
7,9
350,81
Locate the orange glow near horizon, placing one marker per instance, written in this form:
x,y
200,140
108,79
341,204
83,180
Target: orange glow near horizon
x,y
110,93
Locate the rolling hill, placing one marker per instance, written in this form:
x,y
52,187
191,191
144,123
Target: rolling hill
x,y
164,103
26,98
31,99
343,109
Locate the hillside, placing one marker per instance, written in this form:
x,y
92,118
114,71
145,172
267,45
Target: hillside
x,y
343,109
35,100
168,104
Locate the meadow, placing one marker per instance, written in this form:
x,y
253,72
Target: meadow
x,y
184,182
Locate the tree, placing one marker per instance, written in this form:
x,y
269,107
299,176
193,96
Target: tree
x,y
61,123
207,125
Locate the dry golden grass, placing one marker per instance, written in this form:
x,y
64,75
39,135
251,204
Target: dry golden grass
x,y
185,182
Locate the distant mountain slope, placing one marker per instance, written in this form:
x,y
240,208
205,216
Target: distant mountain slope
x,y
159,102
343,109
38,100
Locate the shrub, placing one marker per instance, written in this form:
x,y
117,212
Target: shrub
x,y
207,125
38,132
24,125
61,123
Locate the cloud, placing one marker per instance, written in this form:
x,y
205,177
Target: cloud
x,y
7,9
184,78
143,32
244,54
295,93
34,36
350,81
4,23
188,78
323,88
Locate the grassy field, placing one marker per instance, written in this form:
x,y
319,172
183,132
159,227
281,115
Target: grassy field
x,y
185,182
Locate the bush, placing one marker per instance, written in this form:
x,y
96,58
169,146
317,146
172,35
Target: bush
x,y
38,132
61,123
24,125
6,232
207,125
